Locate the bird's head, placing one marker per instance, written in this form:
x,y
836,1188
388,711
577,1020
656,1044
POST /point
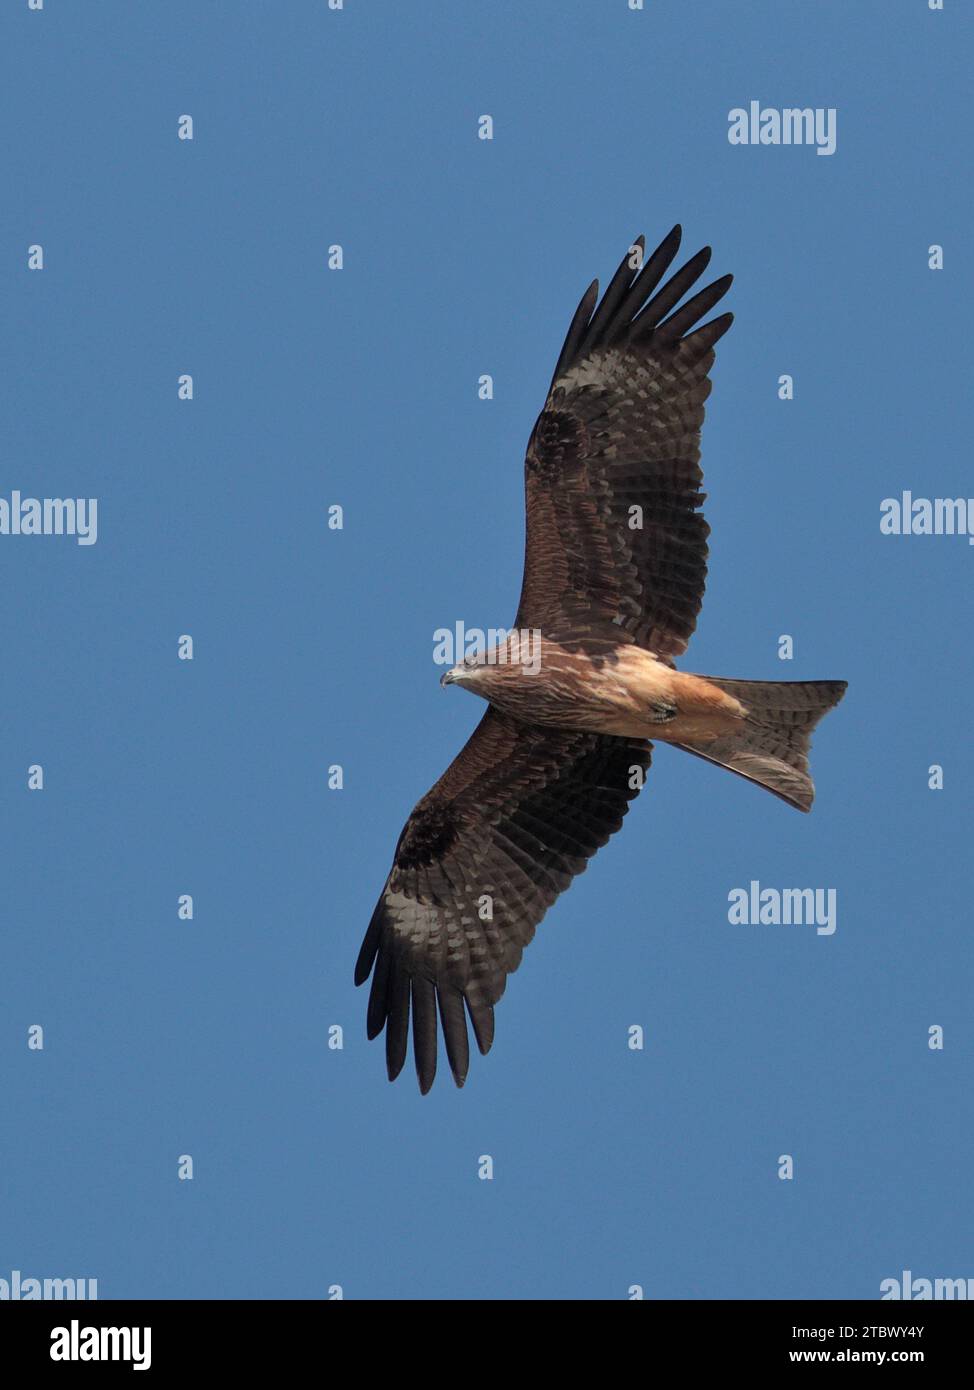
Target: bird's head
x,y
465,673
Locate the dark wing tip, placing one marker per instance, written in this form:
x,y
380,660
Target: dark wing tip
x,y
424,1031
395,1053
703,339
370,946
400,1000
638,308
482,1018
690,313
670,244
378,1007
577,330
651,315
454,1024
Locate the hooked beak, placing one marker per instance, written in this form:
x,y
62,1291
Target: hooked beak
x,y
447,678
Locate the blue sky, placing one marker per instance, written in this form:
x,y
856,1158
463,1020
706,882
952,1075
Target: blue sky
x,y
312,647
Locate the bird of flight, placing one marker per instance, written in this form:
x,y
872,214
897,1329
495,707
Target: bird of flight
x,y
614,572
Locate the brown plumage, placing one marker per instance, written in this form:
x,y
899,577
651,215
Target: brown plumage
x,y
614,574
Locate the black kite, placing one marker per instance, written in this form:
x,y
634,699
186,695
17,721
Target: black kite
x,y
615,564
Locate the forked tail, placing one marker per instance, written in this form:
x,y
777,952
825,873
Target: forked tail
x,y
771,748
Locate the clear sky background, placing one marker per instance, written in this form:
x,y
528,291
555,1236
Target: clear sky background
x,y
314,647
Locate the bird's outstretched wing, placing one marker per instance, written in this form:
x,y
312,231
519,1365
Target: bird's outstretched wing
x,y
616,546
483,856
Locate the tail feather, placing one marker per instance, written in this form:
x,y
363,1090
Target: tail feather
x,y
772,746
